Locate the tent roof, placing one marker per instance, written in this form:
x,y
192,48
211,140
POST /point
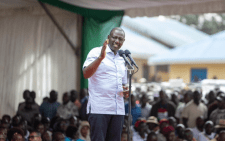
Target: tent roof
x,y
141,46
135,8
168,31
208,50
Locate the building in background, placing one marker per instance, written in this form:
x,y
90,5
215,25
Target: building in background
x,y
203,59
148,37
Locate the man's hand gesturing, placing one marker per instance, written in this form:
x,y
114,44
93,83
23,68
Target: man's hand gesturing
x,y
103,51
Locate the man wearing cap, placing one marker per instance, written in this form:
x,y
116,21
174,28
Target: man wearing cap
x,y
153,124
219,113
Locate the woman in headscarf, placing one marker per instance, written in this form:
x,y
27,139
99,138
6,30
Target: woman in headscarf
x,y
84,131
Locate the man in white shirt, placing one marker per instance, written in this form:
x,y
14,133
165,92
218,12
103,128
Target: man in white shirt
x,y
193,110
106,74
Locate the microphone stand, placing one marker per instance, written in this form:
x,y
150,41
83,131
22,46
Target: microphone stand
x,y
130,69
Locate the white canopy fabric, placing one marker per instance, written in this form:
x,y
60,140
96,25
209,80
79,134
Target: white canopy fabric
x,y
141,46
135,8
209,50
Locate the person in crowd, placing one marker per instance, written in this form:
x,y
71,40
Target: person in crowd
x,y
152,137
219,113
3,134
153,124
172,122
46,136
187,98
15,134
188,135
6,119
35,136
211,97
61,126
67,109
74,98
199,127
164,108
74,121
34,104
169,133
174,98
124,136
36,118
46,122
84,131
221,136
213,106
180,132
208,133
49,108
193,110
23,125
145,106
135,109
26,94
71,133
162,124
83,109
16,120
141,130
83,95
27,112
58,136
219,127
39,127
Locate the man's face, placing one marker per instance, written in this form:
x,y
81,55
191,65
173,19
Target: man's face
x,y
197,97
200,122
172,136
47,136
60,137
116,39
66,98
40,128
34,137
208,129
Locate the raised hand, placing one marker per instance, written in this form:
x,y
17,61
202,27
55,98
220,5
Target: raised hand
x,y
103,51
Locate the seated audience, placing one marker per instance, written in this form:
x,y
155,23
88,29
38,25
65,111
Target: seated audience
x,y
84,131
35,136
15,134
49,108
67,109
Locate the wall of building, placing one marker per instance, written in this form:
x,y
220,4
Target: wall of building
x,y
140,63
184,71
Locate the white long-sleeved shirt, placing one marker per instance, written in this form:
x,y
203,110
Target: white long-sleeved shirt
x,y
105,85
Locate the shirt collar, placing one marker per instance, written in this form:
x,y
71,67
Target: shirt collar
x,y
108,49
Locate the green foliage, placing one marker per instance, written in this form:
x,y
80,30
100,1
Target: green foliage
x,y
208,23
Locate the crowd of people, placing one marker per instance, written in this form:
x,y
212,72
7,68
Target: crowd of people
x,y
184,116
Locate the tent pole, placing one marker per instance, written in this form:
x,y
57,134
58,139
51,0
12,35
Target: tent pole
x,y
76,50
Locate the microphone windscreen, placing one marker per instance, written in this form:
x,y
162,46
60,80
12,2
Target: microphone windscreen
x,y
121,52
127,52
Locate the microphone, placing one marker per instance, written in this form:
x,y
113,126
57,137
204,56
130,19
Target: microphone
x,y
122,54
128,54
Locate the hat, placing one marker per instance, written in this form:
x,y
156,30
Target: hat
x,y
167,130
137,123
163,120
152,119
221,124
221,97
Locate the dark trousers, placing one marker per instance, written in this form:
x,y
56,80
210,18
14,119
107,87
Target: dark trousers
x,y
105,127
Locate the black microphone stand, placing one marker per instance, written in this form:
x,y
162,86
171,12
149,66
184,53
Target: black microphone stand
x,y
130,69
